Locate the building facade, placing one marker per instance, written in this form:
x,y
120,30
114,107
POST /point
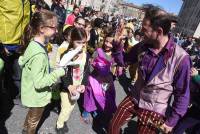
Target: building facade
x,y
189,18
106,6
77,2
129,9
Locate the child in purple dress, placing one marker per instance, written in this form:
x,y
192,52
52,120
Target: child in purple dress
x,y
99,96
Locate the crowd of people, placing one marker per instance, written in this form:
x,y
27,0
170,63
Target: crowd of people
x,y
59,59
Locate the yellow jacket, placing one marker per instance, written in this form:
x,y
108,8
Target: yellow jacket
x,y
14,16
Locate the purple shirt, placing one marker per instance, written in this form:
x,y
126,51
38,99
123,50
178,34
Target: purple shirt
x,y
149,62
150,68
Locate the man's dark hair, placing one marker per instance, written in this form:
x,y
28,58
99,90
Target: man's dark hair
x,y
98,22
41,4
152,11
158,17
174,18
75,6
163,21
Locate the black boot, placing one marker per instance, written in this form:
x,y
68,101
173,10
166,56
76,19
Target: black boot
x,y
62,130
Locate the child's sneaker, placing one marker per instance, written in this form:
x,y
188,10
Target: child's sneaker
x,y
85,117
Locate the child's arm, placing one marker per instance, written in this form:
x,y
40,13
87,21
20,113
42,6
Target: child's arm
x,y
38,72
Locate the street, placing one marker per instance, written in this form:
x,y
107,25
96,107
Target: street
x,y
76,126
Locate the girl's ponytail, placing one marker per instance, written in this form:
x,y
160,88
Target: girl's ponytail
x,y
38,20
26,37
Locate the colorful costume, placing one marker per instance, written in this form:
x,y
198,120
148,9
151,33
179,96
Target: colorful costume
x,y
159,76
99,96
100,92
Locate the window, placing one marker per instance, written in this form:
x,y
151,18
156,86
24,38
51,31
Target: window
x,y
198,14
189,3
193,27
195,3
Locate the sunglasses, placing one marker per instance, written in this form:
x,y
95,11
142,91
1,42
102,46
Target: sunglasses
x,y
80,24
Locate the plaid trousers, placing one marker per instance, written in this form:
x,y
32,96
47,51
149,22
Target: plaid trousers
x,y
148,121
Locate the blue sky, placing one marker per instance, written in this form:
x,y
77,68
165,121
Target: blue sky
x,y
172,6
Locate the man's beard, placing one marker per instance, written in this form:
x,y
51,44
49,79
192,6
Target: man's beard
x,y
150,42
